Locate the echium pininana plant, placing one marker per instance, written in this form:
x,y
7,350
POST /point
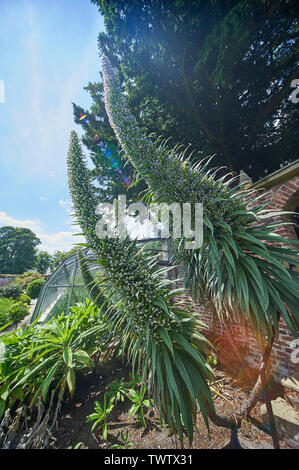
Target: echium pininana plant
x,y
90,282
162,340
170,178
235,268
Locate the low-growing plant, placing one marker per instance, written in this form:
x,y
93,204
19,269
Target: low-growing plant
x,y
11,291
4,309
139,403
46,357
23,280
125,439
76,446
100,415
24,298
212,360
34,287
28,273
118,389
17,312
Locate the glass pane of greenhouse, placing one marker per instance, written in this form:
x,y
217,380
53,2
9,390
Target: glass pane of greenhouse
x,y
65,288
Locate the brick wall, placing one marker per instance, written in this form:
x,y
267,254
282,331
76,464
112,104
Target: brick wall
x,y
282,196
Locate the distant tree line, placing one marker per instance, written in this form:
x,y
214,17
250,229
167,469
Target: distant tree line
x,y
18,252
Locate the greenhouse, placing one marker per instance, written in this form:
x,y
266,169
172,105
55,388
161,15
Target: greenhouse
x,y
65,287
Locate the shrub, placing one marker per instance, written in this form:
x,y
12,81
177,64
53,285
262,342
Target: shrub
x,y
34,288
17,312
11,291
4,309
25,299
24,279
28,273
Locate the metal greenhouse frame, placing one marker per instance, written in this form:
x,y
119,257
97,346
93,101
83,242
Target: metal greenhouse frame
x,y
65,287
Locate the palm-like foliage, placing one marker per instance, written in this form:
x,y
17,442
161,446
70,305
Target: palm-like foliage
x,y
40,358
238,266
162,340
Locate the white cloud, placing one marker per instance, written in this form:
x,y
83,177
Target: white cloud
x,y
66,204
68,207
62,241
50,242
34,225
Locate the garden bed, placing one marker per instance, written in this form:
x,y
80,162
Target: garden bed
x,y
74,429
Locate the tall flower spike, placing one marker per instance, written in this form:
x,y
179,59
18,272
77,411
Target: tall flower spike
x,y
171,179
242,275
161,339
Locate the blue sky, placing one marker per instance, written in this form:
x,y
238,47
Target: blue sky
x,y
48,53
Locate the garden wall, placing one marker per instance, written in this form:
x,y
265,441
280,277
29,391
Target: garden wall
x,y
281,189
6,279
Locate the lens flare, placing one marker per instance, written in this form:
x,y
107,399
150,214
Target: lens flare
x,y
108,153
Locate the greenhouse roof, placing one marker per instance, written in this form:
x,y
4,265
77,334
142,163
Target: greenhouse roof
x,y
65,287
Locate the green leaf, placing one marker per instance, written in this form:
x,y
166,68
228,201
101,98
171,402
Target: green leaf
x,y
95,424
71,381
133,395
4,392
104,431
165,336
31,371
82,357
48,380
68,356
2,407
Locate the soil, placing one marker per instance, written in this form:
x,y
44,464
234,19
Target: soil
x,y
72,426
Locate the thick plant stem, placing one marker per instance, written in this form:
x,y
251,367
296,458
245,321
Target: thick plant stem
x,y
263,368
257,391
267,400
230,422
233,422
260,390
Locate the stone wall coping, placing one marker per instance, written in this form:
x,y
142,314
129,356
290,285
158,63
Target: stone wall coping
x,y
278,176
